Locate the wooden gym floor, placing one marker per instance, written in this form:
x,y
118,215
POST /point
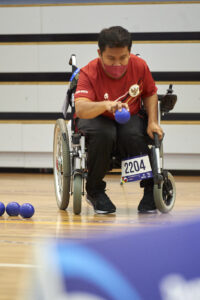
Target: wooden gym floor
x,y
19,237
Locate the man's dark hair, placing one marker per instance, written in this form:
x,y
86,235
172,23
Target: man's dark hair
x,y
114,37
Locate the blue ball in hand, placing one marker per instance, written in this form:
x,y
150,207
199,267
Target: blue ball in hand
x,y
122,116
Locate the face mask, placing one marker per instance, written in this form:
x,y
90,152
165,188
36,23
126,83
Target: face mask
x,y
115,71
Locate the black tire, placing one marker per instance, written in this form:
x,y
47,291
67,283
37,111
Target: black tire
x,y
77,194
61,164
165,196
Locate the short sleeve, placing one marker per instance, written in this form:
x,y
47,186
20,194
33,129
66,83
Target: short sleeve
x,y
84,88
149,87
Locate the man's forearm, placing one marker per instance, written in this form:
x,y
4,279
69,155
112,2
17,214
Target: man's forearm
x,y
88,109
151,107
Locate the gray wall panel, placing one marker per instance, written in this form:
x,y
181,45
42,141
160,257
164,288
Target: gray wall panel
x,y
54,58
181,139
140,18
16,20
32,98
19,58
69,19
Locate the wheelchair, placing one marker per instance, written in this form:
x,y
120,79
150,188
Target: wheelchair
x,y
70,155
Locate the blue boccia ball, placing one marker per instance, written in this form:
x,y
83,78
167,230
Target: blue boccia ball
x,y
2,209
122,116
13,208
27,210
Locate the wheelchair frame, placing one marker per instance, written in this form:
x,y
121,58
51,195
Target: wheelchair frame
x,y
69,160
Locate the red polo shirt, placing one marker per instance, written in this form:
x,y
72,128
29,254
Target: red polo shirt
x,y
136,83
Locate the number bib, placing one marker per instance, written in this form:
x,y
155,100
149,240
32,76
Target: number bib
x,y
136,168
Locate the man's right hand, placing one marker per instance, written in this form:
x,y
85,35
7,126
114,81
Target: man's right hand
x,y
112,106
87,109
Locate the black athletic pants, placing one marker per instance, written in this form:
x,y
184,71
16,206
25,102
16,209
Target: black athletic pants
x,y
105,137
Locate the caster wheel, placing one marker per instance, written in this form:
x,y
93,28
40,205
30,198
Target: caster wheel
x,y
165,195
77,194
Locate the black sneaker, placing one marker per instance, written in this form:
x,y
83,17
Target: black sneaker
x,y
147,204
101,203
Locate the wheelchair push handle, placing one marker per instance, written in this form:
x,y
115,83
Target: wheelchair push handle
x,y
170,89
156,140
72,62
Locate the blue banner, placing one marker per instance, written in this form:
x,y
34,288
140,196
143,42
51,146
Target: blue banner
x,y
159,264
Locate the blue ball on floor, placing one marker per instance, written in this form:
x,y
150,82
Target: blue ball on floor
x,y
27,210
122,116
13,208
2,209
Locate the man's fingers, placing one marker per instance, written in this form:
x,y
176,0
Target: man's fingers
x,y
125,105
160,133
119,106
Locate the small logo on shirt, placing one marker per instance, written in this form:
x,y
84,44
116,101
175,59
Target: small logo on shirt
x,y
82,91
134,90
106,96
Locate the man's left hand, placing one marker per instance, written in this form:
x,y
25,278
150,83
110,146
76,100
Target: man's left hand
x,y
154,127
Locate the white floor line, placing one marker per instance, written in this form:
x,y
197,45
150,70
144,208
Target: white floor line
x,y
18,266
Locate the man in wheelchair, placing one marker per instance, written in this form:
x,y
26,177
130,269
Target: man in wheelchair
x,y
116,79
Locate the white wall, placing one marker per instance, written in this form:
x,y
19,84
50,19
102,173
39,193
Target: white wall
x,y
30,145
91,18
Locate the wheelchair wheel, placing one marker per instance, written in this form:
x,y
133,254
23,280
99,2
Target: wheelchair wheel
x,y
165,195
77,194
61,164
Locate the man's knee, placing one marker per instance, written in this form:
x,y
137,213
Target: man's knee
x,y
131,136
100,132
106,135
132,144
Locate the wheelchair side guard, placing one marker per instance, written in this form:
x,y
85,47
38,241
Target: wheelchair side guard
x,y
76,139
76,154
78,143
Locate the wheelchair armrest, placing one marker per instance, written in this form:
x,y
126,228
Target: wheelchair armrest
x,y
167,102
